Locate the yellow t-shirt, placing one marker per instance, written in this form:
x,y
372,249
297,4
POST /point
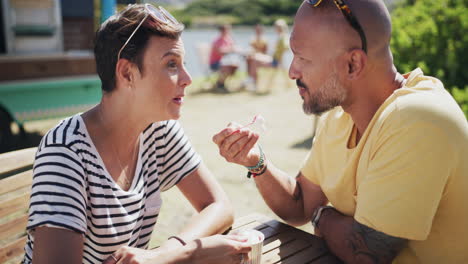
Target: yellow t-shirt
x,y
408,175
280,48
259,45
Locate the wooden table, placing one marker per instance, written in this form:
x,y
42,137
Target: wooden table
x,y
286,244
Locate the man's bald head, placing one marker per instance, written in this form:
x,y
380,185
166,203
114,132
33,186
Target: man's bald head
x,y
372,15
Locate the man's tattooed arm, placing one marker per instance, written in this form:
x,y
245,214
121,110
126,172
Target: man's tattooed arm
x,y
356,243
373,246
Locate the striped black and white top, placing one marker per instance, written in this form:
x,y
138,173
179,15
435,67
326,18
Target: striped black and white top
x,y
72,189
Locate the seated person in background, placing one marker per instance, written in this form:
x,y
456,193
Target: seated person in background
x,y
258,60
220,56
259,43
98,176
259,46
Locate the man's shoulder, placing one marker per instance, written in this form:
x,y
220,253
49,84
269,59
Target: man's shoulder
x,y
433,105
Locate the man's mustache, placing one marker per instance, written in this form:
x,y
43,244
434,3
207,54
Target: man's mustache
x,y
299,83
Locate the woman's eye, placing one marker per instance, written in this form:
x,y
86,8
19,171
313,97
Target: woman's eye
x,y
172,65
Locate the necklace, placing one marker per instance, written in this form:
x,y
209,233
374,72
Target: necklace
x,y
126,182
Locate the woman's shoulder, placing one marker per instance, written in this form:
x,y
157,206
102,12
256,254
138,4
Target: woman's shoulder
x,y
69,133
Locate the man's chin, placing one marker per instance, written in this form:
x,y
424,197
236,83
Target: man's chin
x,y
315,109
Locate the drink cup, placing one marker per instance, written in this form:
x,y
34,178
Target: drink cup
x,y
255,239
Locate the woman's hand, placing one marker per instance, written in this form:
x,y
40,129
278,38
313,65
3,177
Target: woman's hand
x,y
131,255
236,145
226,249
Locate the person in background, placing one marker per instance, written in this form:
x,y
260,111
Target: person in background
x,y
98,175
222,57
259,44
387,176
258,60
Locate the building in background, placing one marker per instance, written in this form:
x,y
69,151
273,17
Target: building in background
x,y
47,67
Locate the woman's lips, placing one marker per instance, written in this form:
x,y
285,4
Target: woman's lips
x,y
178,100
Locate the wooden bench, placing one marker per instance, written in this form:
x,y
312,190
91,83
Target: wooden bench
x,y
15,189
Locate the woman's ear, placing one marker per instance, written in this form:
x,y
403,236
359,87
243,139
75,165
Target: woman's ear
x,y
124,73
357,61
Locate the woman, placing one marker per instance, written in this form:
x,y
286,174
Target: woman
x,y
98,175
259,44
259,60
223,57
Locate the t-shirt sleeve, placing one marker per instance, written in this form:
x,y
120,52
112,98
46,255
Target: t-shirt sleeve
x,y
405,181
58,194
180,159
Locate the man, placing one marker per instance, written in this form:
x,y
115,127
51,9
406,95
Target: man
x,y
389,156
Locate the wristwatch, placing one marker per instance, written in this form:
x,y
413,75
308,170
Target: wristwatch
x,y
317,214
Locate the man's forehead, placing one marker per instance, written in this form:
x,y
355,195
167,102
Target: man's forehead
x,y
303,33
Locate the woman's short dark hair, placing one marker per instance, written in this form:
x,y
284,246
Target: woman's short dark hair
x,y
115,31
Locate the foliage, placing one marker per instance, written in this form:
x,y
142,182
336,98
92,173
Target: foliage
x,y
432,35
245,12
461,96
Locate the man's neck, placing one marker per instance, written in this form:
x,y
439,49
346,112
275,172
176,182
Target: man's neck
x,y
370,98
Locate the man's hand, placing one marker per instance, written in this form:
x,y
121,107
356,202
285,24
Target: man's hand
x,y
236,145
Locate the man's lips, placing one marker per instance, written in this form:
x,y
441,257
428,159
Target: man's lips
x,y
302,91
302,87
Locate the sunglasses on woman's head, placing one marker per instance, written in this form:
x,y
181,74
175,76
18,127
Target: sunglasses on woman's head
x,y
349,16
159,14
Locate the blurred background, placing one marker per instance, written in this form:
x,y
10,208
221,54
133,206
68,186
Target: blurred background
x,y
47,72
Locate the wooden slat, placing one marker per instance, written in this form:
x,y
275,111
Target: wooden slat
x,y
283,252
276,241
16,161
12,250
14,204
306,255
238,222
13,227
16,182
327,259
286,244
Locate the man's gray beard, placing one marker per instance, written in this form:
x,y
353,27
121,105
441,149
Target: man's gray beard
x,y
320,102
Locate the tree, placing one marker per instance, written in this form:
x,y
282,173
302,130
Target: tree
x,y
432,35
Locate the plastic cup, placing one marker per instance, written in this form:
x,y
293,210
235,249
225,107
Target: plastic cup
x,y
255,239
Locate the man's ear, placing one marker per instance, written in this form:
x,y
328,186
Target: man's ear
x,y
124,72
357,60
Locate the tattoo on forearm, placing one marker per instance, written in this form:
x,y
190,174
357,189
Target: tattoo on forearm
x,y
297,195
373,245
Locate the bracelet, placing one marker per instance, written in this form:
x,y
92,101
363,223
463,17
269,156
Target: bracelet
x,y
179,239
252,174
259,163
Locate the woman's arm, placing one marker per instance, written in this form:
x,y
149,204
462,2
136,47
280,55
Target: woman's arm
x,y
57,246
208,198
226,249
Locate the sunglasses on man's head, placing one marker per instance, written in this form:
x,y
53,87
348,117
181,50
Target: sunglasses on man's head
x,y
159,14
349,16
